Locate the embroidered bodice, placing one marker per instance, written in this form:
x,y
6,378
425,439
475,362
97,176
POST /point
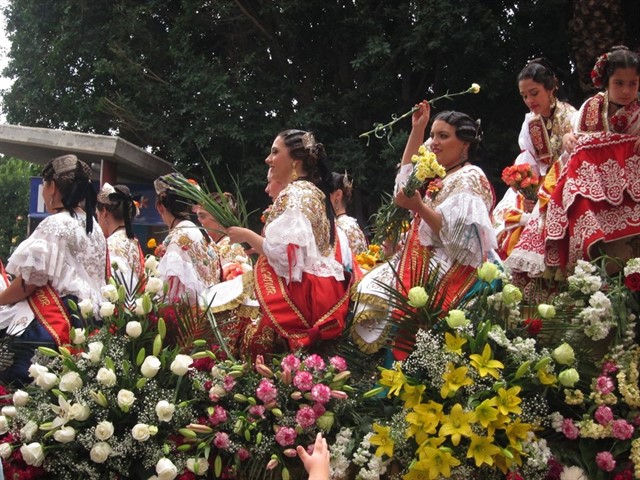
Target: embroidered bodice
x,y
355,235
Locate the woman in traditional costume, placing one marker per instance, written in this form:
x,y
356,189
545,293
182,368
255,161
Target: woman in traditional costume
x,y
301,279
341,197
596,205
540,140
189,262
115,211
451,229
63,259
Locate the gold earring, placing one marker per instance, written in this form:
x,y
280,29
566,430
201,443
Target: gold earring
x,y
294,174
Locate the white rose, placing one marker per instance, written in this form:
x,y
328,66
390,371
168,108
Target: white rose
x,y
70,382
180,365
199,466
150,366
100,452
94,353
125,399
79,412
141,432
47,380
79,336
151,263
4,424
139,309
134,329
104,430
5,450
106,377
154,285
9,411
65,435
36,369
28,431
165,410
110,293
107,309
86,307
32,454
20,398
166,470
218,390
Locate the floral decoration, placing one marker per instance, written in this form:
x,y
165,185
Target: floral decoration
x,y
522,179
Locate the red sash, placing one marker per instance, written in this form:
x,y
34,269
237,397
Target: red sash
x,y
302,312
51,313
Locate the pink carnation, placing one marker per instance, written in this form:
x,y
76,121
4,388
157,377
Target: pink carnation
x,y
315,362
321,393
621,429
291,362
609,367
339,363
303,381
219,416
604,385
605,461
221,440
228,383
266,391
243,454
318,409
569,429
306,417
603,415
257,411
286,436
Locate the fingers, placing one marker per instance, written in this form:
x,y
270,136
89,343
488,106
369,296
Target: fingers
x,y
302,453
321,443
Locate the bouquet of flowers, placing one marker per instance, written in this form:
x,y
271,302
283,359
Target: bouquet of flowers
x,y
522,179
596,423
255,415
108,406
390,219
369,259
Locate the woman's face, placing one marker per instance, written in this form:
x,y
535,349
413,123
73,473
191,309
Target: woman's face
x,y
207,220
446,145
280,162
623,86
536,97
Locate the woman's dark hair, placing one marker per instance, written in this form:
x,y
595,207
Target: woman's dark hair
x,y
72,178
619,57
120,204
178,206
341,181
302,146
540,71
467,130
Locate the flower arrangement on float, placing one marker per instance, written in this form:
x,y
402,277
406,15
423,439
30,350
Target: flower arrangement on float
x,y
470,399
141,397
595,422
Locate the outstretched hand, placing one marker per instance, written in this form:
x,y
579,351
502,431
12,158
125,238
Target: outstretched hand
x,y
420,118
316,464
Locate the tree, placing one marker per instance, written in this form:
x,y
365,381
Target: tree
x,y
214,82
14,196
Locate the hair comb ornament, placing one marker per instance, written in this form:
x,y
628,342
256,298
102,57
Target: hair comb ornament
x,y
106,190
309,141
478,136
598,71
347,183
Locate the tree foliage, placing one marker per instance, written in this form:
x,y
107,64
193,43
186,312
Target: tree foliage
x,y
214,80
14,196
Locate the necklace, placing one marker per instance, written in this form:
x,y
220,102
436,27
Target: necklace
x,y
338,215
454,167
173,222
548,122
116,229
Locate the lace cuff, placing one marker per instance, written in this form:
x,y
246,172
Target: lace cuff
x,y
37,261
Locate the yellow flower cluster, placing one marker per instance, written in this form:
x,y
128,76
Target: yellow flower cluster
x,y
369,259
426,166
629,386
446,431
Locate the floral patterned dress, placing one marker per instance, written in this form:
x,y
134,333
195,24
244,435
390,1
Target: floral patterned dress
x,y
357,239
541,147
189,263
126,257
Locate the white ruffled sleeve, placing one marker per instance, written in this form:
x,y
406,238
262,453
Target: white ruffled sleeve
x,y
289,244
38,259
402,176
466,234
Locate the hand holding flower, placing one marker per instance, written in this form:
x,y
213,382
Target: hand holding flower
x,y
316,464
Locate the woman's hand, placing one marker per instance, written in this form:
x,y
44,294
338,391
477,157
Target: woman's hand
x,y
246,237
528,205
420,118
569,141
410,203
